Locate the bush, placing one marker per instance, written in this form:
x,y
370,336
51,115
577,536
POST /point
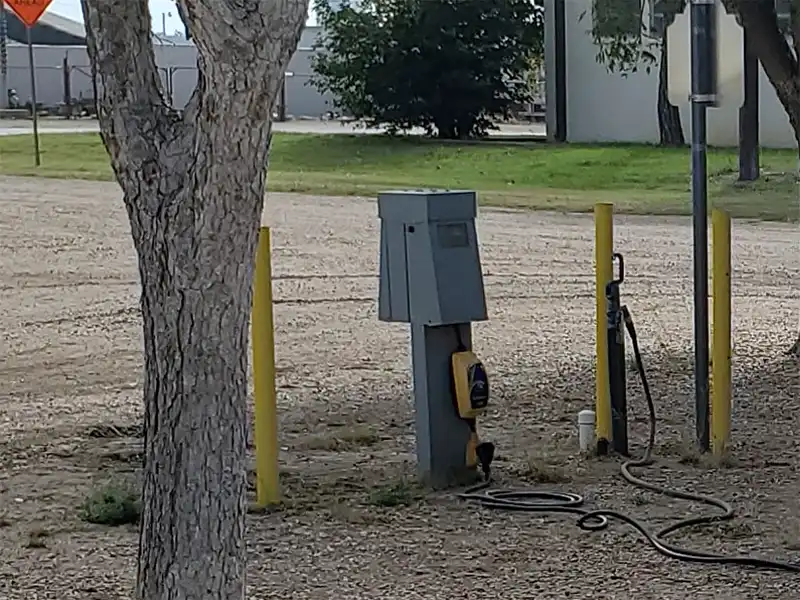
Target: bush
x,y
112,505
451,67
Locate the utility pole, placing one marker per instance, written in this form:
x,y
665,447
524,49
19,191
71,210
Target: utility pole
x,y
3,56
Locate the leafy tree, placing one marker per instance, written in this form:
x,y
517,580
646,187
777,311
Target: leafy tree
x,y
193,184
448,66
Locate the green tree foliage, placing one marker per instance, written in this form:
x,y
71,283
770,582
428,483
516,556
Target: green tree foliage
x,y
628,33
451,67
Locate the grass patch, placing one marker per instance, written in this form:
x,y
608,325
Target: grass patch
x,y
637,178
112,505
400,493
340,441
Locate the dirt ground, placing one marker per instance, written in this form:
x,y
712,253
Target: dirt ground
x,y
71,366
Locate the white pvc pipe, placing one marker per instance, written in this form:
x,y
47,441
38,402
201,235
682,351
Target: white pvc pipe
x,y
586,424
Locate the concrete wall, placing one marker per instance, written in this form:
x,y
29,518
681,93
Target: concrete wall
x,y
177,67
603,107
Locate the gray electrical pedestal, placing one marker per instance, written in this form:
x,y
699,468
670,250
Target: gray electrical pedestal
x,y
430,277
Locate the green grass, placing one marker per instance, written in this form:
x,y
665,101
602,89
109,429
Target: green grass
x,y
637,178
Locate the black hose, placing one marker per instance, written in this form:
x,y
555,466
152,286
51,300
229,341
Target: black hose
x,y
596,520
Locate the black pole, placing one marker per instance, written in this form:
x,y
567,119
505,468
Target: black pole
x,y
560,75
704,69
616,371
749,169
34,108
4,103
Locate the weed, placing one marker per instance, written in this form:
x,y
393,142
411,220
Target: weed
x,y
111,505
401,493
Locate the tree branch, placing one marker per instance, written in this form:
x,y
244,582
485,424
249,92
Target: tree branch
x,y
776,55
131,104
233,39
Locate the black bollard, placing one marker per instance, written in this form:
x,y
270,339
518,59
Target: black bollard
x,y
616,363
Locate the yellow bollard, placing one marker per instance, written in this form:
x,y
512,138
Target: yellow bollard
x,y
721,332
263,340
603,251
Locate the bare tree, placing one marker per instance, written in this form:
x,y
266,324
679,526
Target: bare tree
x,y
193,185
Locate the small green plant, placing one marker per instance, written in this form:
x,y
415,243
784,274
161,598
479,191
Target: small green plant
x,y
401,493
111,505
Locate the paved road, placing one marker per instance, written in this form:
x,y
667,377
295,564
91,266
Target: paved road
x,y
18,127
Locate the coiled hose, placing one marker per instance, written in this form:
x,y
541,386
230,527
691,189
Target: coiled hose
x,y
596,520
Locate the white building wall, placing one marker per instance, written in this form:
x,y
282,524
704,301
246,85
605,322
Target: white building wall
x,y
605,107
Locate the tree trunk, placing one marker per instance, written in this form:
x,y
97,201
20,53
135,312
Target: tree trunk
x,y
780,59
196,264
193,186
776,54
670,129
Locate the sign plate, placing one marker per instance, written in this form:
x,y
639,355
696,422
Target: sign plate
x,y
28,11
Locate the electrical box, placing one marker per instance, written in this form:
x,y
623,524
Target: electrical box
x,y
430,268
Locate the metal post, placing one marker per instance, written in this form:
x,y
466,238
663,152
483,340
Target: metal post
x,y
442,436
264,388
721,397
3,56
616,370
560,20
34,111
703,51
603,251
282,101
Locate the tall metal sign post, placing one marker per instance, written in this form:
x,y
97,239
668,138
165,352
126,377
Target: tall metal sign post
x,y
3,56
29,12
704,94
715,53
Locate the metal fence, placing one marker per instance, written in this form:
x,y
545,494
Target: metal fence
x,y
64,75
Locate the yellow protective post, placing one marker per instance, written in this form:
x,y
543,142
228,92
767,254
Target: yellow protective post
x,y
263,340
721,332
603,269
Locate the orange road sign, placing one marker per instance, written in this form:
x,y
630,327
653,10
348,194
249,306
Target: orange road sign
x,y
28,11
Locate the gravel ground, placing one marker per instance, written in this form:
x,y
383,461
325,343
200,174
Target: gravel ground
x,y
71,362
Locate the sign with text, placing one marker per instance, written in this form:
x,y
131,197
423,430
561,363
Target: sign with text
x,y
28,11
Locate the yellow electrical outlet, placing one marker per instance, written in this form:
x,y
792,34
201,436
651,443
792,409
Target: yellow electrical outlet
x,y
471,384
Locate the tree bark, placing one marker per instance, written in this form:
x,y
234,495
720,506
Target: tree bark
x,y
780,58
193,185
777,54
670,129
